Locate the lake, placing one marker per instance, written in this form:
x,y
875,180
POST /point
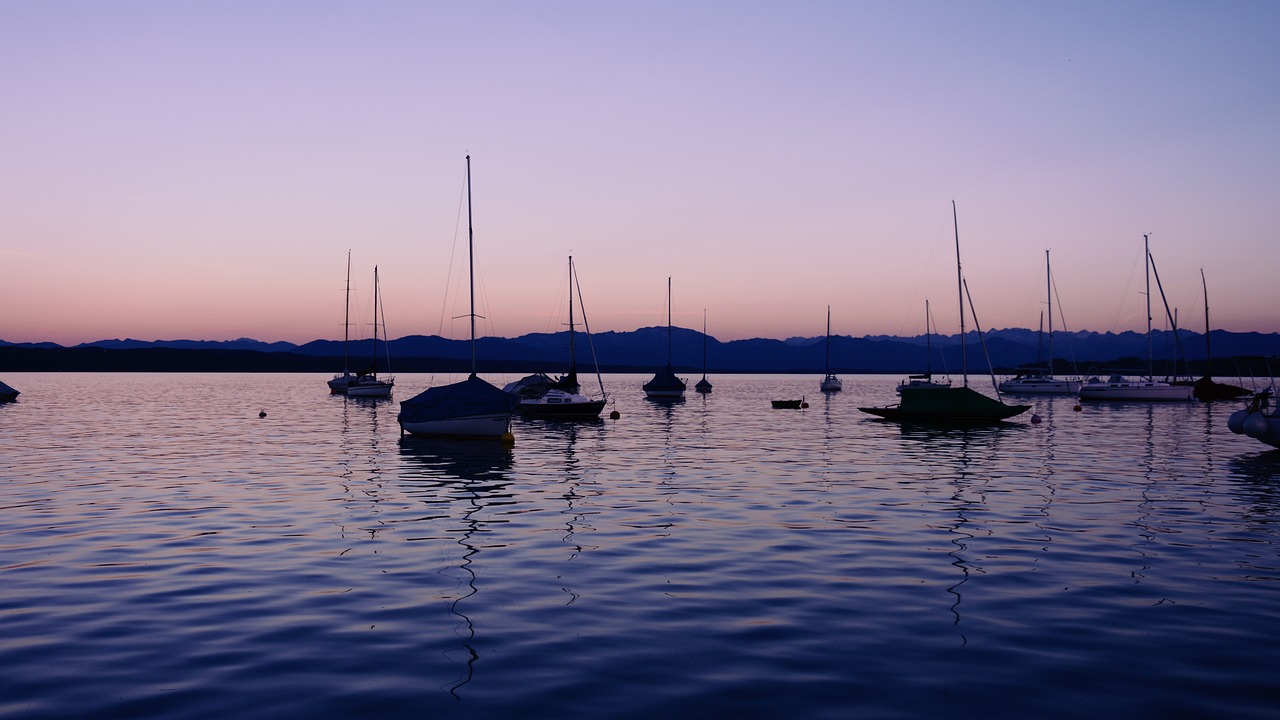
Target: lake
x,y
167,553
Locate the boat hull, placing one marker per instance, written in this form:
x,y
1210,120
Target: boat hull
x,y
8,394
1041,386
1145,390
946,405
1207,389
339,384
665,385
379,390
831,384
488,426
564,409
913,385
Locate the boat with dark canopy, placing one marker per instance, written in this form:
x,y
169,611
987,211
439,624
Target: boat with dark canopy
x,y
665,385
948,404
472,408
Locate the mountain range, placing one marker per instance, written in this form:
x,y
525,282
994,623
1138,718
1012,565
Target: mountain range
x,y
644,349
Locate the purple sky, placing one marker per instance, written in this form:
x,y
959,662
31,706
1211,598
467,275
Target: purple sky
x,y
200,169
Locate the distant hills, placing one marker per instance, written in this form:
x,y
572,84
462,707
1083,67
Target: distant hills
x,y
646,348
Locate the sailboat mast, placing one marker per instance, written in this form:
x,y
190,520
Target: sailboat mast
x,y
471,268
928,342
1151,362
668,321
1207,355
346,321
1040,340
828,360
573,357
964,357
375,319
1048,282
704,342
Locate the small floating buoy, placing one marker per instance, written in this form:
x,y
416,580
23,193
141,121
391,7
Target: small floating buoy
x,y
508,438
262,413
1035,419
804,405
614,415
1077,407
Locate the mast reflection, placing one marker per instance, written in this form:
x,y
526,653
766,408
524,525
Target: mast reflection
x,y
461,480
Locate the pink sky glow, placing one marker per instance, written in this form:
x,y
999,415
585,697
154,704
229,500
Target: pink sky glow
x,y
200,170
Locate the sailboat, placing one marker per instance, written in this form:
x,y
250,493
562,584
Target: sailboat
x,y
665,385
1120,387
924,380
8,394
830,383
472,408
1037,383
563,398
368,384
339,383
1206,388
704,385
948,404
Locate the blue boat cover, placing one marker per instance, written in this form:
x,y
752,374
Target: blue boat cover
x,y
468,398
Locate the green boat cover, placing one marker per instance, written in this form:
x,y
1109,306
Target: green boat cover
x,y
946,404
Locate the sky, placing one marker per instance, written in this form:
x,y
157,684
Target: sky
x,y
200,170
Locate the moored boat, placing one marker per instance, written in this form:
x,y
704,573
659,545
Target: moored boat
x,y
1206,388
563,398
8,394
338,384
830,383
1121,388
789,404
924,380
472,408
368,384
932,404
1043,383
946,404
703,386
665,385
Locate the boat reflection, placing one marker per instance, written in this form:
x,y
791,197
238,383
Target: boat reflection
x,y
462,480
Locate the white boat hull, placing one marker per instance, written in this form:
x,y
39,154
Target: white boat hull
x,y
493,425
1041,386
832,384
922,385
378,390
1119,389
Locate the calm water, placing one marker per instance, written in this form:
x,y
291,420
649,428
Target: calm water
x,y
166,553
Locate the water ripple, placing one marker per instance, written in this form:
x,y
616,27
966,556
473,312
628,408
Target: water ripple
x,y
171,554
